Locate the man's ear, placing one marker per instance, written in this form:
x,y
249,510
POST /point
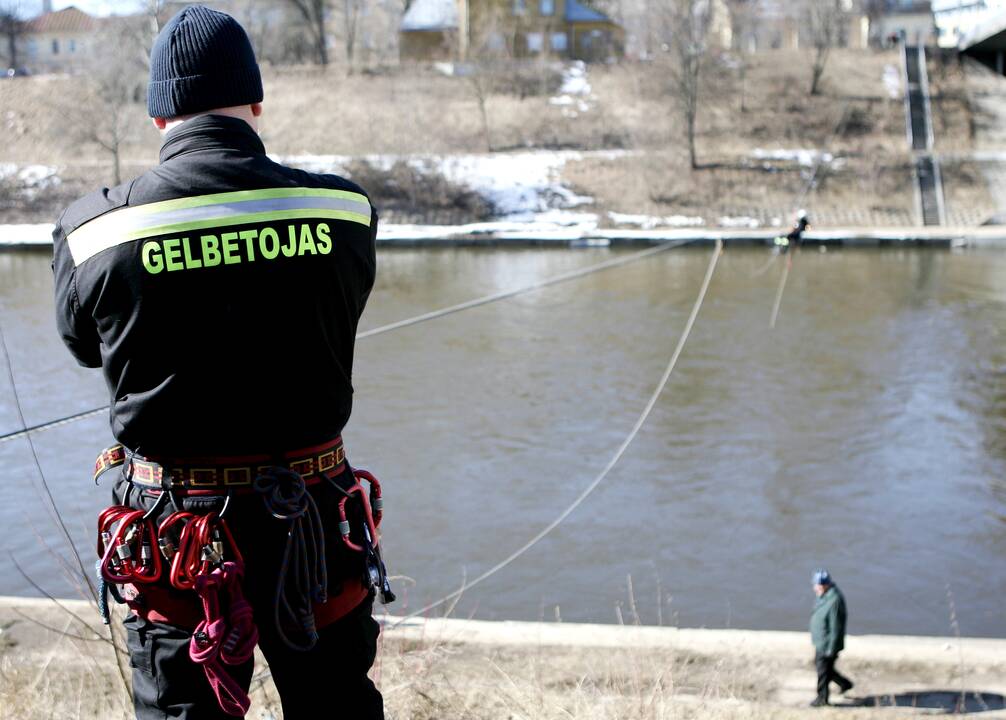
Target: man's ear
x,y
160,123
256,109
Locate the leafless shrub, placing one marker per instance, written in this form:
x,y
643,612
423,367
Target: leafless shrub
x,y
414,190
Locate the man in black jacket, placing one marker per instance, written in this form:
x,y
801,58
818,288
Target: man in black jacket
x,y
220,293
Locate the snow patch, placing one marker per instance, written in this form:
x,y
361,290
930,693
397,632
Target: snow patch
x,y
801,156
739,222
892,82
29,180
648,222
522,186
575,95
26,234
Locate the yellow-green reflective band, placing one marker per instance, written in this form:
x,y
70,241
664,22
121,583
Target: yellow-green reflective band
x,y
215,211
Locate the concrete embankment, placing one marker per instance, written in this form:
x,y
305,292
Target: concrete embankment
x,y
511,235
54,662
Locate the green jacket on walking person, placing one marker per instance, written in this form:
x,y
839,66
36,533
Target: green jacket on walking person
x,y
827,631
827,622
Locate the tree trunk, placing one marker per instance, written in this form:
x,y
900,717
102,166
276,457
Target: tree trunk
x,y
692,156
350,14
12,44
485,120
743,84
321,46
817,71
116,163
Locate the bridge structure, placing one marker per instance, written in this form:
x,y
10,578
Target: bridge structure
x,y
986,43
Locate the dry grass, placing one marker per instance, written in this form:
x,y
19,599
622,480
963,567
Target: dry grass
x,y
44,674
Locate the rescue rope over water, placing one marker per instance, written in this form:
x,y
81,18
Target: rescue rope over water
x,y
640,421
425,317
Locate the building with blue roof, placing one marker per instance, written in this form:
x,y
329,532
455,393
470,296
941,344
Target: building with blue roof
x,y
449,29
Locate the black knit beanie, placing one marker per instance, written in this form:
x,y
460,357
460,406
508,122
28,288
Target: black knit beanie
x,y
201,60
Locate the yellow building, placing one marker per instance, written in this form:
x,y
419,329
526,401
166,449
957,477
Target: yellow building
x,y
447,29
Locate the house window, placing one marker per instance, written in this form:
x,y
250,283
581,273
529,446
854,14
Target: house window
x,y
546,7
55,47
32,48
559,42
535,42
73,46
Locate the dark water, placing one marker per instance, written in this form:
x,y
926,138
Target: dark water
x,y
867,433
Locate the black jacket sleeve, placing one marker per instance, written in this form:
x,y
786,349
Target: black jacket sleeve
x,y
76,327
371,260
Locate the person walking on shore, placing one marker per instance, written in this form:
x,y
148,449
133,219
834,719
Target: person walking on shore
x,y
827,631
220,294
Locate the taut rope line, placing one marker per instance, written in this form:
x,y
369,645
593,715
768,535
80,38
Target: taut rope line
x,y
778,295
432,315
811,184
505,294
640,421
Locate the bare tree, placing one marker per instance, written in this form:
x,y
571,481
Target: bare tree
x,y
114,86
351,11
823,20
313,13
490,44
745,17
683,31
12,28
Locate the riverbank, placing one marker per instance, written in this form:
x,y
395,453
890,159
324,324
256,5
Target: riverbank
x,y
511,234
54,665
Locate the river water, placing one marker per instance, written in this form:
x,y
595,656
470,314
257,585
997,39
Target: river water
x,y
866,433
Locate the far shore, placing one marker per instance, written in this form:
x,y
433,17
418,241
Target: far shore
x,y
55,663
517,234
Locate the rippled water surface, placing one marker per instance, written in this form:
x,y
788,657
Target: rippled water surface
x,y
867,433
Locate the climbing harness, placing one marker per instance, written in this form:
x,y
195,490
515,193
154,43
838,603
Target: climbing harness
x,y
196,552
187,547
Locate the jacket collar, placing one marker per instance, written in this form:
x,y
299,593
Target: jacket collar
x,y
208,132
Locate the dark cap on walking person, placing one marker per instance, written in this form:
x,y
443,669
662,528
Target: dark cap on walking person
x,y
201,60
822,577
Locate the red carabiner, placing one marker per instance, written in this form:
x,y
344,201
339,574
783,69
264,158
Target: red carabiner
x,y
122,551
368,518
376,499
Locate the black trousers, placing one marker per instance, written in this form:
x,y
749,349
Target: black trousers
x,y
329,681
826,673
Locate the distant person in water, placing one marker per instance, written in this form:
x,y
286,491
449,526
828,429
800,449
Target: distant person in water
x,y
827,631
795,237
